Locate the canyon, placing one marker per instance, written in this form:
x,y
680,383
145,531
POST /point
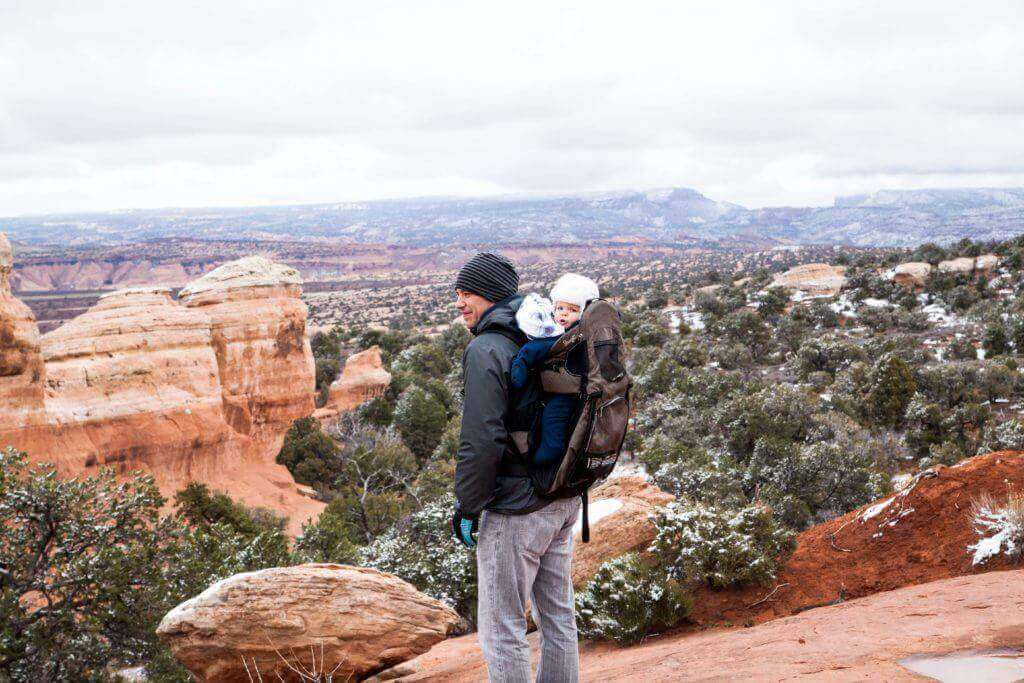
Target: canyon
x,y
201,387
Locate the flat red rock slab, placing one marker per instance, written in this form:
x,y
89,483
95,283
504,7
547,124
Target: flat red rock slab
x,y
858,640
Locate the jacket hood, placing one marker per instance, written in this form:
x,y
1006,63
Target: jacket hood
x,y
500,316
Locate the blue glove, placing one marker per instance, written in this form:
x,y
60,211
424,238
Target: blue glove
x,y
464,526
519,372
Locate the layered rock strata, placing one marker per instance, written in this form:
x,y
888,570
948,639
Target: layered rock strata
x,y
351,621
814,279
200,392
21,363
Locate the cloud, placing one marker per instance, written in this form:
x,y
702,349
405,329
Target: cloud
x,y
108,105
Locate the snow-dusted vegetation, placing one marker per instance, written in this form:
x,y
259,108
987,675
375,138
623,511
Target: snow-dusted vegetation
x,y
1000,527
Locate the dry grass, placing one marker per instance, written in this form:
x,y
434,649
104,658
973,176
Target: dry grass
x,y
316,672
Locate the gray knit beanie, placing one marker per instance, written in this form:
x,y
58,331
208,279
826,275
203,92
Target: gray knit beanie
x,y
489,275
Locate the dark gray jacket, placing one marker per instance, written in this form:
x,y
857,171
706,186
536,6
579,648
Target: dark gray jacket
x,y
484,441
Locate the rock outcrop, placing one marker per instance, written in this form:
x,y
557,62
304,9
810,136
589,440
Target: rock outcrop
x,y
201,392
962,265
912,275
620,511
986,263
362,379
21,363
918,535
258,324
319,616
864,640
813,279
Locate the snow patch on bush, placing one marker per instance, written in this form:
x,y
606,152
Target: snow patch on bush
x,y
1001,527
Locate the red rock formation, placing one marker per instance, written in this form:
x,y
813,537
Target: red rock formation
x,y
620,511
912,275
259,336
363,378
21,364
203,392
862,640
913,537
816,279
318,616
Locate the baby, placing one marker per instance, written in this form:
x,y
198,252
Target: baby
x,y
544,324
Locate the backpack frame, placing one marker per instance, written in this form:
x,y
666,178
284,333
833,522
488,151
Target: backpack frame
x,y
601,419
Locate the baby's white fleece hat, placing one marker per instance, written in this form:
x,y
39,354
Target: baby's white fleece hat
x,y
536,317
575,289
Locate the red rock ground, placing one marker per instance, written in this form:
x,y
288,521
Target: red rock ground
x,y
838,561
861,640
924,545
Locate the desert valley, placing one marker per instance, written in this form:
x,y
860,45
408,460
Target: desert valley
x,y
233,458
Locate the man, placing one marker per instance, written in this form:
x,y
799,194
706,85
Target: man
x,y
525,542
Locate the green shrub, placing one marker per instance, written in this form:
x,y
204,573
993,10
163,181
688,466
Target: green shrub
x,y
720,547
629,599
310,455
420,550
427,359
891,387
420,418
1003,436
334,537
105,568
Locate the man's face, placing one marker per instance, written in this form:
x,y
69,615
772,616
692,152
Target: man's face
x,y
565,313
471,306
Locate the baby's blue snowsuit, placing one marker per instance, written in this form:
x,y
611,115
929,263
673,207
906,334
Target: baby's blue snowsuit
x,y
558,408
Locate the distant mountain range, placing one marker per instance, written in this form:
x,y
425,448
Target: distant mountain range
x,y
884,218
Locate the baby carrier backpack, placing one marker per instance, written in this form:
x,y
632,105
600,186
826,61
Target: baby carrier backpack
x,y
587,362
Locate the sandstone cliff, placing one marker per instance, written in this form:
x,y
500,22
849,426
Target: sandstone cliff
x,y
197,392
21,364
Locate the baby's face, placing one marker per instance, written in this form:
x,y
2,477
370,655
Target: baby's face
x,y
565,313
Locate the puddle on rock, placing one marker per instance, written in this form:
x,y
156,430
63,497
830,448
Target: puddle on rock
x,y
972,666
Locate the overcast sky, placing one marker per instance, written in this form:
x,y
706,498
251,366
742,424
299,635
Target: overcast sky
x,y
107,105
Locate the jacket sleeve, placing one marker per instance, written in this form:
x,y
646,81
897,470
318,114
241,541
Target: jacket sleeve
x,y
484,438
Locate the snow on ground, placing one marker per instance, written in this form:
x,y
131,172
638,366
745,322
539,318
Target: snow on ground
x,y
877,303
843,306
875,509
598,510
680,314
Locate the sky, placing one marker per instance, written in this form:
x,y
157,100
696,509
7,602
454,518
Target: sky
x,y
139,104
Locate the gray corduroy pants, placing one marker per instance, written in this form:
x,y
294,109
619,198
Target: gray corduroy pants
x,y
520,557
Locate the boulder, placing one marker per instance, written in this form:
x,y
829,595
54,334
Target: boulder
x,y
363,378
620,512
317,616
963,265
815,279
912,275
986,263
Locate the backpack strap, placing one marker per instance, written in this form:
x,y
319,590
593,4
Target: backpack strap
x,y
515,336
585,529
511,466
